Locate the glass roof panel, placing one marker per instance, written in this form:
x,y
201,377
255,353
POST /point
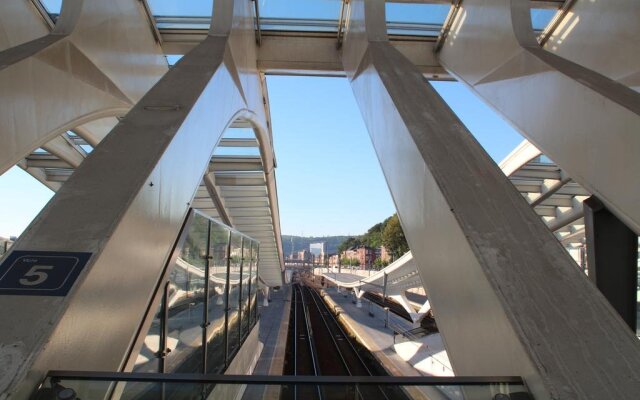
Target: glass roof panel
x,y
52,6
172,59
182,22
300,9
416,19
540,17
300,15
181,8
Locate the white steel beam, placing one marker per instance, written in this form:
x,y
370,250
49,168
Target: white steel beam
x,y
485,257
282,53
129,217
85,69
602,36
584,121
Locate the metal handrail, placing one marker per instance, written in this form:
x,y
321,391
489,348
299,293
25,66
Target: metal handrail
x,y
283,379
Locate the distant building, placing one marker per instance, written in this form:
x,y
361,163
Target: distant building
x,y
333,260
383,254
364,254
305,256
318,250
5,244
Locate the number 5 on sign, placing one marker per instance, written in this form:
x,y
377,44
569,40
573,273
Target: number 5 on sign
x,y
37,272
40,273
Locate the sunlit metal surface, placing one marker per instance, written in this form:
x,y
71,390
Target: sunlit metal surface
x,y
478,245
550,191
127,201
561,107
392,281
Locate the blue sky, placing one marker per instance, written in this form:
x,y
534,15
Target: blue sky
x,y
329,180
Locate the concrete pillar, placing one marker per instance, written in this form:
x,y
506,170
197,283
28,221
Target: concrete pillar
x,y
125,206
501,284
612,258
512,73
97,62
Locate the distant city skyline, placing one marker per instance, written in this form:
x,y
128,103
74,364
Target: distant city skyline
x,y
329,180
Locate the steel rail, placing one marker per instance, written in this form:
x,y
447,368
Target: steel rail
x,y
310,342
315,296
333,340
322,308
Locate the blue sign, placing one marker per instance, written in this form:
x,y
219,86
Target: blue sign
x,y
40,273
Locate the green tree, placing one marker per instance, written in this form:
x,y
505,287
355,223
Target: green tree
x,y
378,264
348,243
393,237
373,237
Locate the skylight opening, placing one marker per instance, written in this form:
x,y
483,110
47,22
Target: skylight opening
x,y
541,17
300,9
53,7
181,8
172,59
415,19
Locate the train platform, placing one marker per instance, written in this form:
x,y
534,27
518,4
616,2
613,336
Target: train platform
x,y
274,326
399,355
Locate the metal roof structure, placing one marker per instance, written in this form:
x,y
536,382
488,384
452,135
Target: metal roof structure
x,y
298,39
504,288
555,197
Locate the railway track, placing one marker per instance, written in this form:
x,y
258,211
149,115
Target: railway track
x,y
319,346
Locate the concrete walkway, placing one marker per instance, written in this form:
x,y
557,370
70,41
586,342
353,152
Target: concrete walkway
x,y
274,325
401,357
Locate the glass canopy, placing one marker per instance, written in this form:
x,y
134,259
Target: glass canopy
x,y
540,17
181,8
403,19
52,6
416,19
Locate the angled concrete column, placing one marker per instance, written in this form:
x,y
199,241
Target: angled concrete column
x,y
602,36
97,62
612,258
125,205
585,122
509,299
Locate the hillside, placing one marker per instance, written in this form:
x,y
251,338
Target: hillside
x,y
302,243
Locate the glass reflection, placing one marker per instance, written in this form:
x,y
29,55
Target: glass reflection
x,y
148,358
235,263
185,301
254,282
218,248
210,294
246,283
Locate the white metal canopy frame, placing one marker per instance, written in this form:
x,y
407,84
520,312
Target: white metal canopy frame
x,y
129,217
499,298
576,112
392,281
509,300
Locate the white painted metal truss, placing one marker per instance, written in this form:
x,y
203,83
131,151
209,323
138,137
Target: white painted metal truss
x,y
392,281
234,190
554,196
